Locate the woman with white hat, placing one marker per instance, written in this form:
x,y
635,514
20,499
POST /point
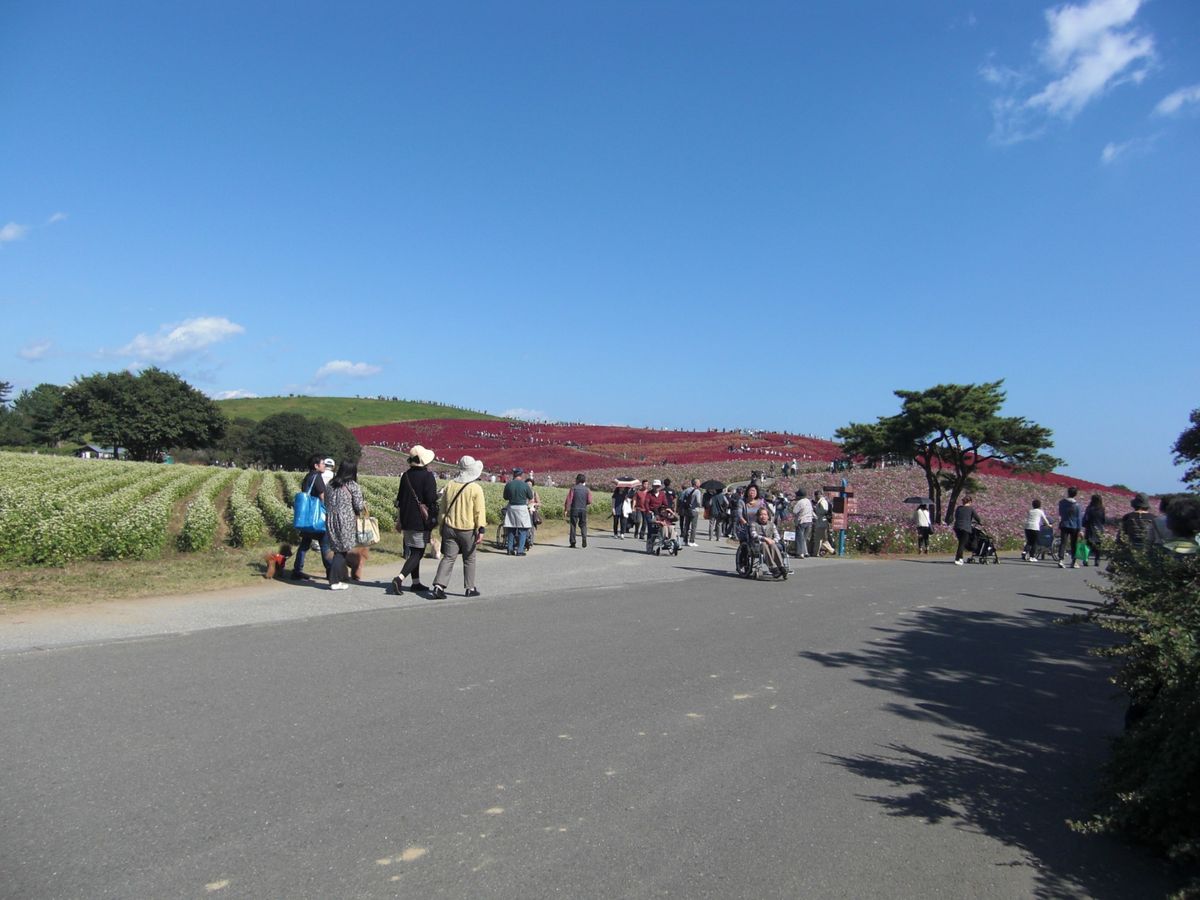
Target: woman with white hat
x,y
463,527
417,517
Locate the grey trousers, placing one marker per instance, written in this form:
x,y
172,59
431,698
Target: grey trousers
x,y
803,535
454,543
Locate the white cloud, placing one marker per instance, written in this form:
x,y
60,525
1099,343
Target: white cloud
x,y
347,368
173,341
56,218
1174,102
528,415
233,395
1089,49
35,350
13,232
1136,147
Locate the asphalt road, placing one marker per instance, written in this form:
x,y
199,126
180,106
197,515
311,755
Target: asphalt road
x,y
599,724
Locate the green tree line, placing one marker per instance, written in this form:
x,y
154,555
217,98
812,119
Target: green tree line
x,y
153,413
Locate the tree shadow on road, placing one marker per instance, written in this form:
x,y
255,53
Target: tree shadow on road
x,y
1023,716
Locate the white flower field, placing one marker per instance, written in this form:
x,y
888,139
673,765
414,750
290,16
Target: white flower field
x,y
55,510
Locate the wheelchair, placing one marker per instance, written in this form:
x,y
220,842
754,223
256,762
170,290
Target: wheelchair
x,y
751,562
657,544
501,540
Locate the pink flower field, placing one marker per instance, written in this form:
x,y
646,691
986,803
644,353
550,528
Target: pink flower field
x,y
555,452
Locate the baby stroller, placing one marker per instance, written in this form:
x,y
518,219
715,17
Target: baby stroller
x,y
982,547
751,561
1046,544
657,543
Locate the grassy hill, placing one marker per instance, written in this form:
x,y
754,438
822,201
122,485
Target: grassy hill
x,y
353,412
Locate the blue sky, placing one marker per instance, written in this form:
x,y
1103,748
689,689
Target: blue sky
x,y
685,214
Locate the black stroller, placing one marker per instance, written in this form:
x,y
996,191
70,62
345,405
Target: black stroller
x,y
982,547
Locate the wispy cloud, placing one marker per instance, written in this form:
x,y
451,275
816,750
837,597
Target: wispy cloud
x,y
1174,102
528,415
346,368
35,350
12,232
56,218
1113,152
175,341
1089,48
233,395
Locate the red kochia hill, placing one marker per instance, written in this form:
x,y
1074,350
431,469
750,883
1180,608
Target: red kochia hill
x,y
558,447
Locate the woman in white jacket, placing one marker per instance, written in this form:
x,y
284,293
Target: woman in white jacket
x,y
1034,522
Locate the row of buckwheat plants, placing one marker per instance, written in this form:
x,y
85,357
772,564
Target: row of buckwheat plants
x,y
201,519
276,512
119,524
380,494
140,531
246,524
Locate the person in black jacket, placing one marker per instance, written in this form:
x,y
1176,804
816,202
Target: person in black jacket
x,y
965,519
418,487
314,483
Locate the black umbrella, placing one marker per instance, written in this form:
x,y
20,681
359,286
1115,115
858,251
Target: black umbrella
x,y
924,500
713,485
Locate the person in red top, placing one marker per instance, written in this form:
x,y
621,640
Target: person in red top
x,y
639,509
655,499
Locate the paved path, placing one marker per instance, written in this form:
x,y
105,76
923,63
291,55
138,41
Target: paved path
x,y
867,729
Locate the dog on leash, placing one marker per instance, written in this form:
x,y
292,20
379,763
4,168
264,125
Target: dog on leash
x,y
355,560
277,562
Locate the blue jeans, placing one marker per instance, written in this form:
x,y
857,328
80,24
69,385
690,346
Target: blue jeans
x,y
518,535
305,537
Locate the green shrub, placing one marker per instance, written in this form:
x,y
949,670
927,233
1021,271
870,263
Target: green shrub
x,y
1152,787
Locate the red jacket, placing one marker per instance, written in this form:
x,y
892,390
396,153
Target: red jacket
x,y
655,501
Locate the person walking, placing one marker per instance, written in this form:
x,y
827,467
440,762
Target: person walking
x,y
639,509
1035,521
417,513
1137,525
313,484
343,504
575,507
822,516
802,509
1094,520
463,527
1070,520
691,507
924,527
965,520
620,514
517,521
718,514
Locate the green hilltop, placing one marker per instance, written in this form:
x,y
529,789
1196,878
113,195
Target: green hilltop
x,y
353,412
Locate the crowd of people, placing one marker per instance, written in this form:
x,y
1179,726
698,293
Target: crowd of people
x,y
1083,530
453,520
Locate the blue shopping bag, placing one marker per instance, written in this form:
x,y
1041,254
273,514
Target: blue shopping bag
x,y
308,512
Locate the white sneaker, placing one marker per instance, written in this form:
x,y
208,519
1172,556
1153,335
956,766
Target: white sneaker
x,y
340,586
958,562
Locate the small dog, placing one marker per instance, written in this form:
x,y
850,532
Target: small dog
x,y
277,562
355,560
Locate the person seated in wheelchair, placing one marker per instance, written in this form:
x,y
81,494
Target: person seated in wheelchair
x,y
764,536
662,531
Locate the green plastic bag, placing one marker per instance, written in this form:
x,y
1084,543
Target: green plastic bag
x,y
1082,551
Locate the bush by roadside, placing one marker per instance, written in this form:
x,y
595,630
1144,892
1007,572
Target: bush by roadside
x,y
1152,781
